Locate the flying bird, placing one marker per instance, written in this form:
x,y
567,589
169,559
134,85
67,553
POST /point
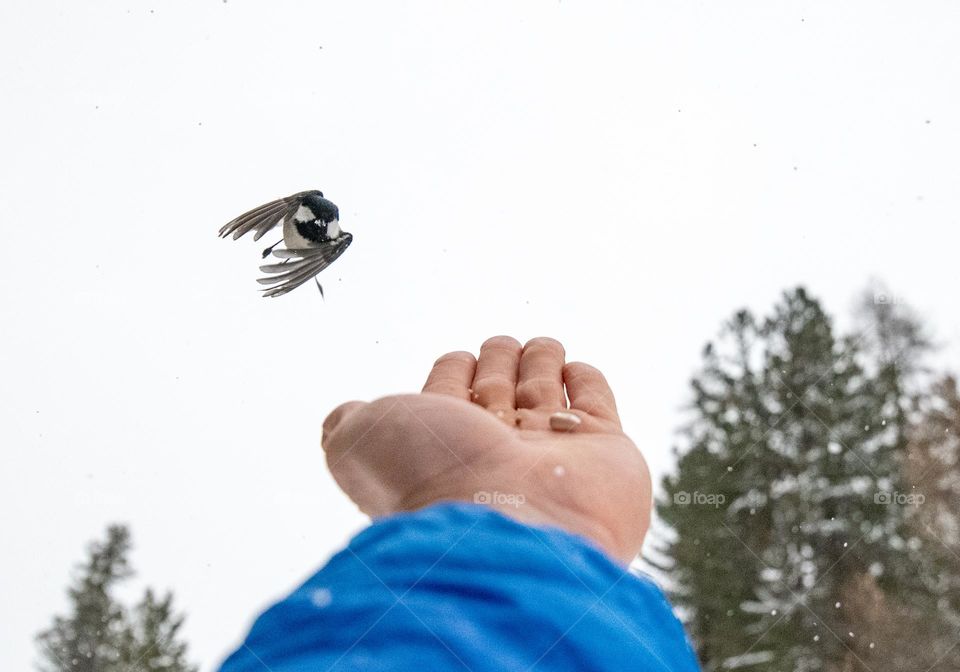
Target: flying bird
x,y
312,238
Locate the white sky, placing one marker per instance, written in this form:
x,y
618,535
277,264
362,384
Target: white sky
x,y
617,176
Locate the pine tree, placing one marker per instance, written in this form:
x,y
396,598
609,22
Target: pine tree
x,y
150,641
933,476
88,639
779,504
100,634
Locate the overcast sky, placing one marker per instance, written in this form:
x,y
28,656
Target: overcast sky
x,y
621,176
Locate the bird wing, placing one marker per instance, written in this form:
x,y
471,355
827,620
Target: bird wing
x,y
262,218
308,263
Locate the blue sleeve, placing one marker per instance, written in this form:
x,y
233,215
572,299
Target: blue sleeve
x,y
460,587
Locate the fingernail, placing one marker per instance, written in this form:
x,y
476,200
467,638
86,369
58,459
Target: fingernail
x,y
562,421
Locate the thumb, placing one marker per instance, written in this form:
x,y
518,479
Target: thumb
x,y
336,417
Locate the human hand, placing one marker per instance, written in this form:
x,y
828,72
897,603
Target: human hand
x,y
480,431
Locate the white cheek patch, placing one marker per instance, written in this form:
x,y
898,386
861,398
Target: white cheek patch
x,y
333,229
304,214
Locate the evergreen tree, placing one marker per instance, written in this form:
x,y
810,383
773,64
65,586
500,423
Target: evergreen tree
x,y
150,641
88,639
100,634
933,476
779,506
920,623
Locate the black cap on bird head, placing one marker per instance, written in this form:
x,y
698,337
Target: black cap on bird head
x,y
320,207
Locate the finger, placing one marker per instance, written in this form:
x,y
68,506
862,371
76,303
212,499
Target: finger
x,y
336,416
589,391
495,382
452,375
540,382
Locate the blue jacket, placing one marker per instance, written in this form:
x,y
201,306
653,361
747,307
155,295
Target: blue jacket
x,y
458,586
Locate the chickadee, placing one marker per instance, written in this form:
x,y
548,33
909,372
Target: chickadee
x,y
311,236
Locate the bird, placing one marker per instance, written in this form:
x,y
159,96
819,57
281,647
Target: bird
x,y
312,238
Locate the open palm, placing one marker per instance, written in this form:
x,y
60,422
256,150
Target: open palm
x,y
480,431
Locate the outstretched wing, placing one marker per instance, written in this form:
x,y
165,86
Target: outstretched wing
x,y
263,218
306,264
